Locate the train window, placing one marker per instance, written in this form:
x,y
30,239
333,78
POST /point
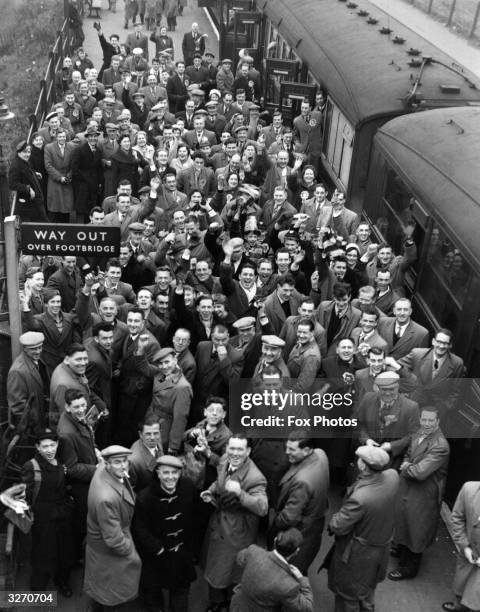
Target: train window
x,y
338,142
445,279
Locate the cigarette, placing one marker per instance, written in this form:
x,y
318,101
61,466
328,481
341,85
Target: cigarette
x,y
126,474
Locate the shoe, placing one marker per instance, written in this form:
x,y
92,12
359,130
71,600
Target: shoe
x,y
401,574
452,606
64,590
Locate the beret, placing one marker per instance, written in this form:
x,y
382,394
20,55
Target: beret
x,y
385,379
137,51
376,458
274,341
115,451
31,338
244,323
21,146
136,227
46,434
170,461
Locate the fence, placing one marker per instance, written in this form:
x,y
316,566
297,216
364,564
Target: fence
x,y
462,15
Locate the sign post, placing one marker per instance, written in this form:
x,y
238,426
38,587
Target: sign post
x,y
14,310
65,239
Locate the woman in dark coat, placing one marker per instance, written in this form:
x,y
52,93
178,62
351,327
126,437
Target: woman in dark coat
x,y
125,164
304,183
162,529
23,180
37,162
52,542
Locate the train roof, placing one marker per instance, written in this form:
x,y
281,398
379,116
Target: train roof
x,y
438,152
364,71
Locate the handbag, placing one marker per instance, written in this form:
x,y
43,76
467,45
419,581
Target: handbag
x,y
24,521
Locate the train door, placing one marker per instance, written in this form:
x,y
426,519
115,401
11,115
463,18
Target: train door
x,y
240,29
291,96
277,71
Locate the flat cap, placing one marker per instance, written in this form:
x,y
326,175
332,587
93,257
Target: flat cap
x,y
386,379
123,115
111,126
137,51
145,189
244,323
157,106
125,70
211,104
240,128
376,458
108,100
227,61
254,107
274,341
162,353
291,235
31,339
49,294
136,227
115,451
177,246
138,94
210,53
170,461
196,91
92,131
201,112
51,115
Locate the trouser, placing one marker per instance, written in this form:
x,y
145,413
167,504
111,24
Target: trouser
x,y
178,599
408,560
95,606
355,605
40,578
171,23
220,596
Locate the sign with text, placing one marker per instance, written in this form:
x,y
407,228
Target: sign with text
x,y
65,239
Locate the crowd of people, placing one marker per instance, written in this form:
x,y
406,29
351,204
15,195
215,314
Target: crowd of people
x,y
235,264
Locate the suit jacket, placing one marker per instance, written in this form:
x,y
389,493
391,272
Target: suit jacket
x,y
56,343
348,322
118,88
275,312
271,135
214,375
316,219
152,97
303,502
111,76
99,371
142,464
206,181
304,364
345,224
308,136
386,302
465,532
217,125
87,177
132,42
190,46
68,285
188,365
191,139
283,216
375,340
289,334
273,178
364,383
177,93
237,298
199,77
414,336
137,371
400,423
441,391
268,584
77,452
24,385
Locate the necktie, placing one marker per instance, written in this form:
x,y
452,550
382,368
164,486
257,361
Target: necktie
x,y
435,364
138,36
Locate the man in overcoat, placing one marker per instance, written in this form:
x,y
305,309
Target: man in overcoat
x,y
423,473
302,501
363,528
240,499
466,535
112,564
87,174
26,386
